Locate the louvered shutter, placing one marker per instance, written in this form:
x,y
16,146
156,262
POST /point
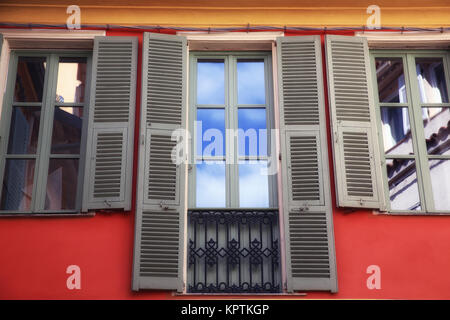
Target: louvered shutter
x,y
109,151
160,213
357,164
306,188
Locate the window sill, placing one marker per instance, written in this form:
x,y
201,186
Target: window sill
x,y
411,213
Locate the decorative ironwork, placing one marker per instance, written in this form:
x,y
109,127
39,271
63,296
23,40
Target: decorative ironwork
x,y
233,251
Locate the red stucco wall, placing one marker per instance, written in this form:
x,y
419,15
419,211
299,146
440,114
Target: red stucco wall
x,y
412,252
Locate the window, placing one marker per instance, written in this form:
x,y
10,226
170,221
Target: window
x,y
231,107
413,110
43,131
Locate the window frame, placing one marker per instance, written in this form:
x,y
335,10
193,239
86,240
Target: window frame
x,y
48,105
231,122
414,106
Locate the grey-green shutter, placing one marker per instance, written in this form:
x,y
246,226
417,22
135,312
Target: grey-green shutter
x,y
109,151
160,212
310,255
357,164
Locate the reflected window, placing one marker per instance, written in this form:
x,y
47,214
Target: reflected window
x,y
211,82
30,78
17,187
62,184
431,80
210,191
391,80
66,135
24,130
403,185
253,184
251,82
71,80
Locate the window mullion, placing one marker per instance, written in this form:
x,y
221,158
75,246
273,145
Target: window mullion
x,y
423,174
232,145
45,137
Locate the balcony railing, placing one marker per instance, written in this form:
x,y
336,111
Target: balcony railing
x,y
233,251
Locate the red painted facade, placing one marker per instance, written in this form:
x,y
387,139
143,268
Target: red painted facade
x,y
412,252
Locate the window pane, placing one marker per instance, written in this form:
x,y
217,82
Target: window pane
x,y
24,130
71,80
29,85
251,82
66,136
396,131
62,184
403,187
440,181
17,191
211,184
211,82
431,80
253,184
253,131
391,80
210,133
437,126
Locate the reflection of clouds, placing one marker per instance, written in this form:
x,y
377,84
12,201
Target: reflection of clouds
x,y
251,88
210,83
253,184
210,185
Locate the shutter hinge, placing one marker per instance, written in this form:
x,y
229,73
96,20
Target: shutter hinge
x,y
142,139
107,203
279,156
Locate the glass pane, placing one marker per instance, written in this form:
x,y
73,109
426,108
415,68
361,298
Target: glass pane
x,y
431,79
253,184
211,82
62,184
71,80
440,181
66,136
253,131
250,81
210,184
436,127
17,191
396,131
210,133
391,80
24,130
403,187
30,79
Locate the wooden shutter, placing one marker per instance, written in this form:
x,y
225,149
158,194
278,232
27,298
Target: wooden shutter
x,y
160,213
307,209
109,151
355,141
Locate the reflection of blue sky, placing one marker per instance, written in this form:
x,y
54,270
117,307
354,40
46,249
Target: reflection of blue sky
x,y
210,185
253,141
251,88
253,184
210,119
210,83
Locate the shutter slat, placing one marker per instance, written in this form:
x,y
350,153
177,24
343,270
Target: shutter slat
x,y
159,239
357,163
306,188
109,154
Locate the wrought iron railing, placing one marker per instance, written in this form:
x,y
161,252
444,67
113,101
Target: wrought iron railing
x,y
233,251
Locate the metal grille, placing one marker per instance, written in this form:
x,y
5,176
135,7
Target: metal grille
x,y
113,82
233,251
357,164
299,74
305,180
350,82
309,245
164,80
108,164
162,177
160,238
